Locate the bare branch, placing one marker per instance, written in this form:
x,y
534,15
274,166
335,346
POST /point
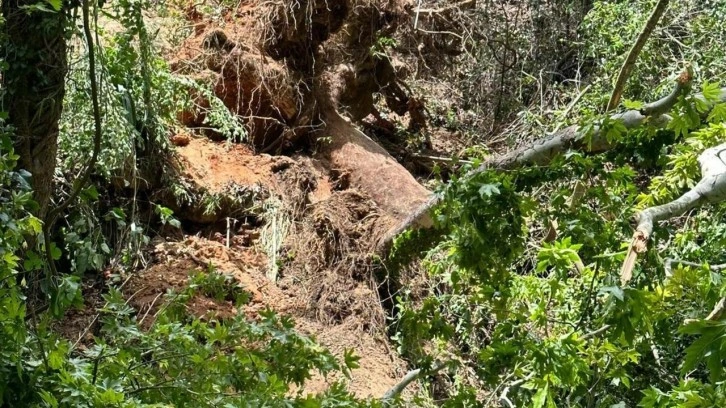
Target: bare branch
x,y
412,376
634,52
668,267
595,333
711,189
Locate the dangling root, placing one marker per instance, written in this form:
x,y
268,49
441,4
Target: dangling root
x,y
711,189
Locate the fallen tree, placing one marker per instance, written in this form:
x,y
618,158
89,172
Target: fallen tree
x,y
712,187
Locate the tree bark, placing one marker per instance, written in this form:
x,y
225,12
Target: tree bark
x,y
35,51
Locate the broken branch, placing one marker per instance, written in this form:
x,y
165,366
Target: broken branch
x,y
634,52
711,189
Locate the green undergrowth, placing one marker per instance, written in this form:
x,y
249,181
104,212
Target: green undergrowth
x,y
514,302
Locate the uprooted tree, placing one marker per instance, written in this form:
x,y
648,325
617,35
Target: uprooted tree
x,y
595,140
505,316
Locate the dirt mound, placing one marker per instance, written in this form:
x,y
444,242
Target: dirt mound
x,y
316,218
175,262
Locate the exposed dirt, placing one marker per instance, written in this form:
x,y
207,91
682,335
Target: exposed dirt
x,y
215,165
173,263
79,325
308,252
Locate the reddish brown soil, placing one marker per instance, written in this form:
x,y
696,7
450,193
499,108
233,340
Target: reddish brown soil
x,y
338,202
216,164
379,368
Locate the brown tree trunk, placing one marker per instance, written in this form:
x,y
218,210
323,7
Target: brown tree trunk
x,y
35,50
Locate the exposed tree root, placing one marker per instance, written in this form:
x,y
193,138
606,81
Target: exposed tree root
x,y
371,169
711,189
543,151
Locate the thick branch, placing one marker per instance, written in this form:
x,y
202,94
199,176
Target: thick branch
x,y
711,189
634,52
543,151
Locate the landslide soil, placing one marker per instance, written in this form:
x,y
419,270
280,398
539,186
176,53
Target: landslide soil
x,y
306,249
321,284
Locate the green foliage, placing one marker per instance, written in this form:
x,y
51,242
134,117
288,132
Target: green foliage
x,y
16,221
178,360
549,318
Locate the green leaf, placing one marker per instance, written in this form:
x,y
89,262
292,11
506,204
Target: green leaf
x,y
632,104
56,359
711,91
616,291
48,398
351,360
90,193
56,4
55,252
32,261
488,190
35,224
679,126
718,113
540,397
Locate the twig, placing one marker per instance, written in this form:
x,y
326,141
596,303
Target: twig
x,y
228,232
151,306
634,52
668,267
441,159
418,11
595,333
95,365
504,399
654,350
570,107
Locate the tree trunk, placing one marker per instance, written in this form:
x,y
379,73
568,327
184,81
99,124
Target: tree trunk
x,y
35,50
